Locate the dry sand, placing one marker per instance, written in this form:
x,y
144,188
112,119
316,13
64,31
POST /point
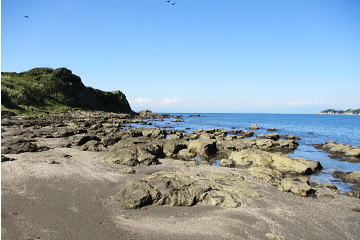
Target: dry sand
x,y
70,200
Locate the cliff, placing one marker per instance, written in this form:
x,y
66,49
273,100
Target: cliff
x,y
54,90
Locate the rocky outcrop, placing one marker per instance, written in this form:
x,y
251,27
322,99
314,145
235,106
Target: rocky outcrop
x,y
16,146
133,154
335,150
272,136
55,90
185,154
186,189
172,147
227,146
94,146
289,174
203,148
299,186
349,177
278,161
272,176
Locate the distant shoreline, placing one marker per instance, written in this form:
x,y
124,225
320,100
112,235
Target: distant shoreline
x,y
341,112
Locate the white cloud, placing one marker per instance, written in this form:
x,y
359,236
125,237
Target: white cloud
x,y
306,102
141,102
169,101
151,103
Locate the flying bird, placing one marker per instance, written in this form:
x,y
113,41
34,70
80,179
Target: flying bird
x,y
27,17
173,3
168,1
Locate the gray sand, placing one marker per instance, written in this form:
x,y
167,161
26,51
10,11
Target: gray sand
x,y
71,200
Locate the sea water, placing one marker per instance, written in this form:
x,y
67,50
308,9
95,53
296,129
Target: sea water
x,y
311,128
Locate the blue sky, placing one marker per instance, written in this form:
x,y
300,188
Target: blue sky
x,y
271,56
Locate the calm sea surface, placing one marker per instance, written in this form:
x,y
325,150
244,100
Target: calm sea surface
x,y
311,128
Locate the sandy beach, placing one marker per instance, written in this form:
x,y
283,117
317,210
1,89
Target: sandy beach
x,y
66,193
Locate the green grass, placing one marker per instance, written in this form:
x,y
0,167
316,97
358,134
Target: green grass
x,y
55,90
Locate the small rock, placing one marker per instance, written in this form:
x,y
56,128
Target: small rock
x,y
271,129
254,127
128,170
227,163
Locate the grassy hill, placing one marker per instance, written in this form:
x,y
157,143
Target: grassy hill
x,y
55,90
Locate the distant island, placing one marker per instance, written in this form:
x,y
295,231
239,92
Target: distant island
x,y
55,90
343,112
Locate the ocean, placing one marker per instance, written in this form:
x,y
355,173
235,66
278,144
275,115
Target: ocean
x,y
311,128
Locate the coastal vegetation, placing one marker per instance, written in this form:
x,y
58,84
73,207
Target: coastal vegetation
x,y
55,90
345,112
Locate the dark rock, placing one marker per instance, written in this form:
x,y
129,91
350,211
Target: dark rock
x,y
6,159
204,148
94,146
84,139
20,146
271,130
290,137
172,147
272,136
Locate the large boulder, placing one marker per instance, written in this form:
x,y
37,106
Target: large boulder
x,y
124,156
272,176
94,146
278,161
251,157
135,154
226,146
204,148
186,189
284,163
186,154
172,147
299,186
